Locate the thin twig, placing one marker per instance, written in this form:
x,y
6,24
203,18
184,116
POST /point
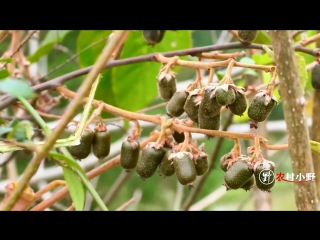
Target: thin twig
x,y
307,41
125,205
6,99
21,44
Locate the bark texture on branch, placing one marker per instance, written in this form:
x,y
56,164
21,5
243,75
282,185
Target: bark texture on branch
x,y
315,128
293,103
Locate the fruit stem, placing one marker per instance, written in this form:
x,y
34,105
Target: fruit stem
x,y
170,64
164,125
211,74
257,154
271,84
199,78
136,131
185,145
236,150
227,77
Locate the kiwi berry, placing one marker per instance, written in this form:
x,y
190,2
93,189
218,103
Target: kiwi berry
x,y
184,167
166,86
247,36
315,76
129,155
225,95
101,144
166,167
175,105
264,175
239,106
202,165
248,185
208,106
153,37
179,137
223,159
259,109
212,123
238,174
149,160
83,150
191,107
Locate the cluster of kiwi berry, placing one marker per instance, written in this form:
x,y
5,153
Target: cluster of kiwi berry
x,y
241,172
99,140
166,156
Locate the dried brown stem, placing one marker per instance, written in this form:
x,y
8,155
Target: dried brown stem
x,y
54,184
211,74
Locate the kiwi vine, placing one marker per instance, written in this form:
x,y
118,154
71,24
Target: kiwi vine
x,y
171,151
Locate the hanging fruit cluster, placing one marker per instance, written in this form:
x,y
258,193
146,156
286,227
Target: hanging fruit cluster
x,y
98,140
183,158
242,172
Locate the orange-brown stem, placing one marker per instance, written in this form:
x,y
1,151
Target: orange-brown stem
x,y
309,40
271,84
227,77
185,145
218,55
54,184
126,204
210,78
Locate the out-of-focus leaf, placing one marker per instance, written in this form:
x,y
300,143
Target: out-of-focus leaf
x,y
16,88
53,37
263,59
23,126
2,121
135,85
262,38
75,187
6,60
4,74
5,129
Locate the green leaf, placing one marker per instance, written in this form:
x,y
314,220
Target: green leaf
x,y
24,127
4,73
5,129
263,59
302,70
315,147
262,38
16,87
76,189
3,122
52,38
135,85
71,162
6,60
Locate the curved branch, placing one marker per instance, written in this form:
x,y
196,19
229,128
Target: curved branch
x,y
6,100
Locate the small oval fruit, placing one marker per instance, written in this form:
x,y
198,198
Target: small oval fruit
x,y
175,105
83,150
225,95
264,175
258,110
201,165
239,106
191,107
247,36
212,123
249,184
153,37
315,76
223,159
184,167
166,83
166,167
149,160
129,155
208,106
101,144
238,174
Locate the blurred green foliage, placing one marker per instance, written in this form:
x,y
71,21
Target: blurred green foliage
x,y
133,87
